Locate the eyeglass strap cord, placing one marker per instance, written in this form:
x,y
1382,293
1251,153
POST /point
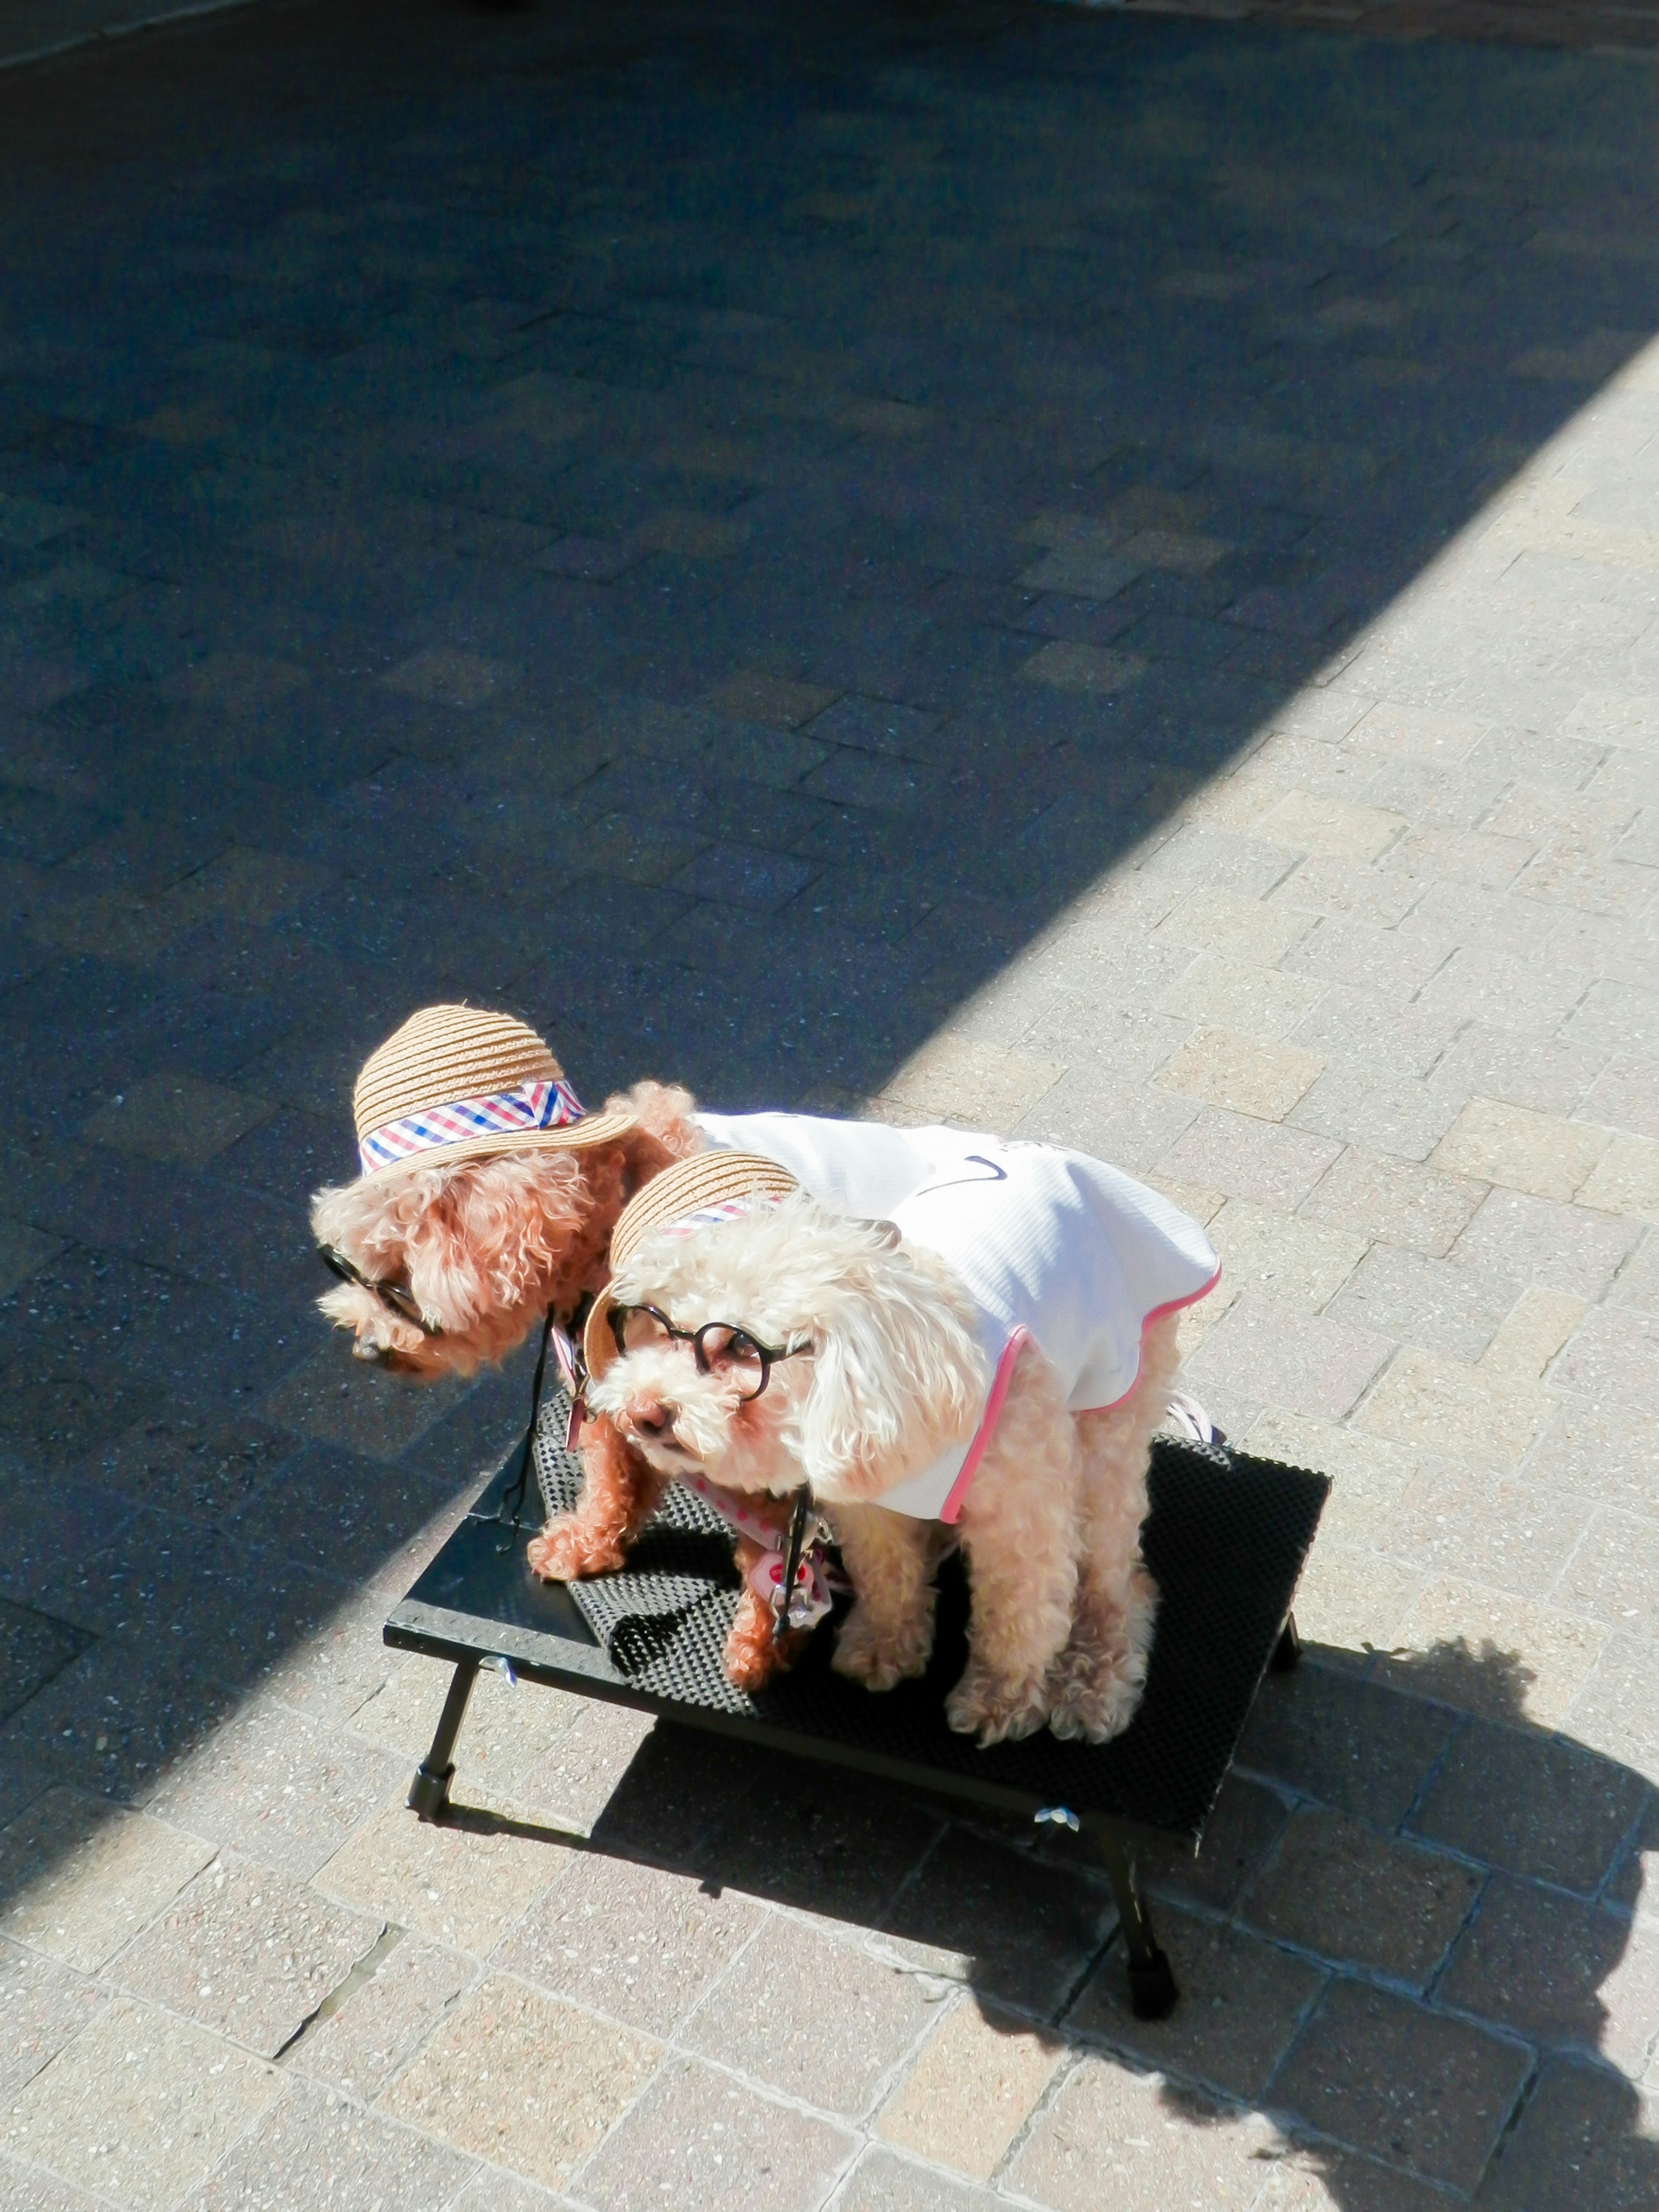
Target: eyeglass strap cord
x,y
521,1486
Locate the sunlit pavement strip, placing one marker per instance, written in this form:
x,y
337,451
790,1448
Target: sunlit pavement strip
x,y
1087,575
39,30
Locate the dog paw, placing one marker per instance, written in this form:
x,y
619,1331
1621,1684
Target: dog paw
x,y
754,1655
1094,1712
994,1711
1093,1692
566,1550
880,1659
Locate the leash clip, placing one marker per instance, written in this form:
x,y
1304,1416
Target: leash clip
x,y
792,1605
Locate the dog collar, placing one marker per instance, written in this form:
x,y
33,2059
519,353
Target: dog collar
x,y
817,1580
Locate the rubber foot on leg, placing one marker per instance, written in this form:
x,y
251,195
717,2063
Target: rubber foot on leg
x,y
428,1793
1152,1991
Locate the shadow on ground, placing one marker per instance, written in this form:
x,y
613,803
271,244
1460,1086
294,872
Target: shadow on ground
x,y
1392,1947
712,528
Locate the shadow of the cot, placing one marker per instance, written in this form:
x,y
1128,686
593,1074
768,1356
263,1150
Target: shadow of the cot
x,y
1396,1950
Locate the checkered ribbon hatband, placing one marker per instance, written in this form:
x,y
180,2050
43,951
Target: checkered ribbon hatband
x,y
549,1105
728,1209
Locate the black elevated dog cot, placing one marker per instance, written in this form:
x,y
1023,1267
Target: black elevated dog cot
x,y
1226,1538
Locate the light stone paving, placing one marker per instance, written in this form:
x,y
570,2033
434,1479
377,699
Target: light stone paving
x,y
1095,578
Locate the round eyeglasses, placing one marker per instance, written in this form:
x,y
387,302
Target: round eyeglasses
x,y
392,1296
718,1348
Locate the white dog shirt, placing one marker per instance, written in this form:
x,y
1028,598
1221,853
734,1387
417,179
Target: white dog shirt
x,y
1050,1245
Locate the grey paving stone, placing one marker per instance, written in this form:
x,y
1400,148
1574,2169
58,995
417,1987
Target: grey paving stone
x,y
246,1951
1632,1884
1517,1536
1613,1356
1396,1201
1531,1804
1270,1164
1395,1114
1337,1887
1128,1123
317,2149
1434,1303
21,1781
1622,1096
745,877
79,1877
630,1940
882,2182
1585,2136
1241,2003
197,1469
114,1725
581,1777
1565,1248
1613,1574
1110,2124
280,1787
360,2036
575,2074
819,2019
341,1517
1549,1074
46,2005
492,2191
141,2107
29,2189
1613,1711
1503,992
1363,1749
1408,2085
831,1846
1309,1365
970,2088
653,506
1565,1973
168,1588
33,1647
701,2139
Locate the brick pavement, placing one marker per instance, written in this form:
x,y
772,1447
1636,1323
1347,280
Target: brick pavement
x,y
36,28
1092,575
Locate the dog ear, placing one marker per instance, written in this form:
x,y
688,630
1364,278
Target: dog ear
x,y
897,1376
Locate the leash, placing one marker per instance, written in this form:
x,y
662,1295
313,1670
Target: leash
x,y
794,1562
567,1359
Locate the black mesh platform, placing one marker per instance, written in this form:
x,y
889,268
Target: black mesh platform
x,y
1226,1538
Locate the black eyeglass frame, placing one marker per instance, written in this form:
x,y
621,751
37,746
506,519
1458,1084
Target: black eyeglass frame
x,y
392,1296
616,1318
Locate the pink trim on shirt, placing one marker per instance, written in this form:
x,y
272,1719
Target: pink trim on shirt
x,y
951,1509
1172,1305
1005,1375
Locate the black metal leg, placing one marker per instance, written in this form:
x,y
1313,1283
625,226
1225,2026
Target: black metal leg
x,y
428,1793
1287,1652
1152,1991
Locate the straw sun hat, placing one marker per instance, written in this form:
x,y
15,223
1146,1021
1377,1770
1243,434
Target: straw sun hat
x,y
456,1082
710,1187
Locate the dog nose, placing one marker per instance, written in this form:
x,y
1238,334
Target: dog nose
x,y
650,1416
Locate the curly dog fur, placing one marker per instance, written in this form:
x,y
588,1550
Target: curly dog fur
x,y
1062,1604
485,1246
